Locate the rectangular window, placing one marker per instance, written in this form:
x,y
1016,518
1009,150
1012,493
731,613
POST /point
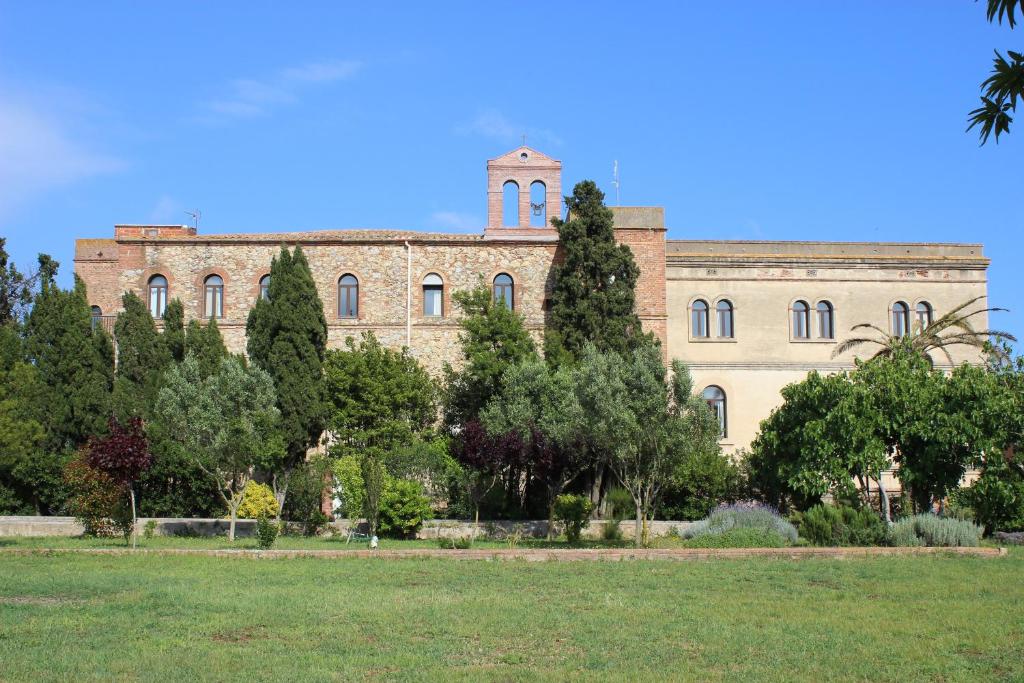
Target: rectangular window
x,y
348,306
214,302
432,301
157,301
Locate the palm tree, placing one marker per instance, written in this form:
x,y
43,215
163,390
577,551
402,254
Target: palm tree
x,y
952,329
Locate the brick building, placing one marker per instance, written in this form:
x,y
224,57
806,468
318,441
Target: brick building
x,y
749,317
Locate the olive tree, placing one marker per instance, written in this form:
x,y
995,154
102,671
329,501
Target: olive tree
x,y
227,423
659,425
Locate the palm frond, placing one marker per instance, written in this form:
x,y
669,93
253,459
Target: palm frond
x,y
997,9
852,343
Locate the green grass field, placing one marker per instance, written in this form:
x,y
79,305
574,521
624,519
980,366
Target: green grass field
x,y
81,617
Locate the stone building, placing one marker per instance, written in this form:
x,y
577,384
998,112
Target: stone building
x,y
748,317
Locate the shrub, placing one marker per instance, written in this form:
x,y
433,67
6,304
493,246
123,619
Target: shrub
x,y
996,498
257,501
620,503
612,530
743,515
932,530
455,542
573,511
99,503
903,535
266,532
739,537
348,477
700,483
842,526
403,508
306,494
150,529
314,523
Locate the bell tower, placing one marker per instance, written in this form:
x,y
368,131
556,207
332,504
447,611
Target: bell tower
x,y
524,190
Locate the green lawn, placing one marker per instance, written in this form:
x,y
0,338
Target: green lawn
x,y
178,618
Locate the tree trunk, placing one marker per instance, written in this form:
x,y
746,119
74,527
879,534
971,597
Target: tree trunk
x,y
476,522
638,531
551,518
131,496
231,525
883,498
595,488
280,491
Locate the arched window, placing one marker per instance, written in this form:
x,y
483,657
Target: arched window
x,y
801,320
265,287
826,320
924,314
433,295
157,295
715,398
538,205
97,315
348,296
504,290
900,319
723,312
510,204
699,318
213,297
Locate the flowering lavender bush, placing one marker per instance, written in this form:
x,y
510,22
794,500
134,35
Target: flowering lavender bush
x,y
743,515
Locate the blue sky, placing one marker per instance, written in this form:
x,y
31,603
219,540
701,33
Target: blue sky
x,y
785,120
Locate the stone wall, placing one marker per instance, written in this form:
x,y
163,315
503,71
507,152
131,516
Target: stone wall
x,y
389,305
244,528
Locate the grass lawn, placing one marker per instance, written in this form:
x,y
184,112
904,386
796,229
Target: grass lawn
x,y
81,617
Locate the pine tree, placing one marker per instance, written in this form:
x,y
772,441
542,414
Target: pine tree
x,y
287,337
207,345
593,297
14,290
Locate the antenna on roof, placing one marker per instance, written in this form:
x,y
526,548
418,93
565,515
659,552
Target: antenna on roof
x,y
615,181
196,215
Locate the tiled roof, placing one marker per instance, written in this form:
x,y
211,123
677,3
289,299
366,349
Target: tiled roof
x,y
329,236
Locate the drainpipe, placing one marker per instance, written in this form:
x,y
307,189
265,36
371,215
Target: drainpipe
x,y
408,296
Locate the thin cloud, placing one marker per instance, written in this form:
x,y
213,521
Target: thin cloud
x,y
493,124
39,152
249,97
455,220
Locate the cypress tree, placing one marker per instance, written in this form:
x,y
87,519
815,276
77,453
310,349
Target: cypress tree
x,y
207,345
593,296
75,363
141,359
173,336
287,337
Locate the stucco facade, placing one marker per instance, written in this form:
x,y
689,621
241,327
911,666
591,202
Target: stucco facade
x,y
761,281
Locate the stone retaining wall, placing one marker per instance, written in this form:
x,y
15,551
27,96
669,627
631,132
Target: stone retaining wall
x,y
535,554
433,528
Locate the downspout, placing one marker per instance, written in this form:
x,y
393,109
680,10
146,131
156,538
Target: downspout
x,y
408,295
